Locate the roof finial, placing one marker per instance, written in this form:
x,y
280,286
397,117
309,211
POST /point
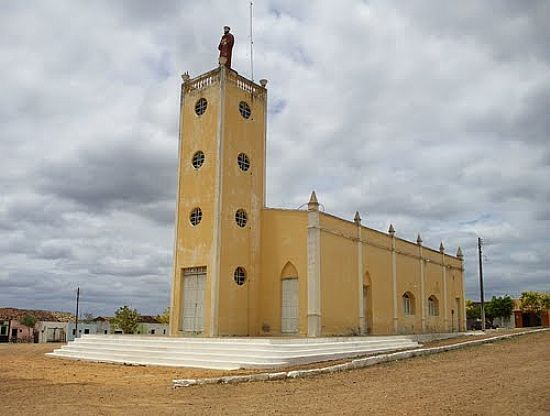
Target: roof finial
x,y
357,218
313,204
419,240
391,230
441,248
459,253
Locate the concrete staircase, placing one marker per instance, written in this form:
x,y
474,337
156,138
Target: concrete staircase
x,y
225,353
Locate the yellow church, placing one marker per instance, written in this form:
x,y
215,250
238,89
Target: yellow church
x,y
243,269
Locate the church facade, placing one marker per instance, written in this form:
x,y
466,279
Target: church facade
x,y
242,269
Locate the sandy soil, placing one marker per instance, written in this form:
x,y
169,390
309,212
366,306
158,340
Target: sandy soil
x,y
509,377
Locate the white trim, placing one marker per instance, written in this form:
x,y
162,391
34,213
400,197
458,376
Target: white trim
x,y
445,297
394,284
216,250
313,275
422,291
174,323
360,289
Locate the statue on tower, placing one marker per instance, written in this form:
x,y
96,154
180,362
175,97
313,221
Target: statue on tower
x,y
225,47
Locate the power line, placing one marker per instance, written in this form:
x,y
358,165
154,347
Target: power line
x,y
479,242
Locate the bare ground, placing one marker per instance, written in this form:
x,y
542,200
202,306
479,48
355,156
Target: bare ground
x,y
509,377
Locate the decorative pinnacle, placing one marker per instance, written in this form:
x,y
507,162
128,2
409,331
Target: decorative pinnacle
x,y
185,77
357,218
419,239
263,82
441,248
459,253
313,204
391,230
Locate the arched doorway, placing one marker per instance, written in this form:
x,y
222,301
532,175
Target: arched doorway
x,y
289,299
367,303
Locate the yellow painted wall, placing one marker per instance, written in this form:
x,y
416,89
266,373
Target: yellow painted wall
x,y
241,190
221,133
284,239
339,279
194,245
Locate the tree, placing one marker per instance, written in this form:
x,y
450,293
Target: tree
x,y
532,302
472,311
87,317
164,318
125,319
500,307
29,321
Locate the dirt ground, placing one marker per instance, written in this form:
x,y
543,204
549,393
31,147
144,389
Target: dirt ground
x,y
509,377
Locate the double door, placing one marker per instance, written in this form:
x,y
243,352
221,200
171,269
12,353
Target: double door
x,y
193,299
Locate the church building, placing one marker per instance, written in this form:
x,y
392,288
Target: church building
x,y
243,269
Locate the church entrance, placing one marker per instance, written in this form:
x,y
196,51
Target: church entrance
x,y
289,306
193,299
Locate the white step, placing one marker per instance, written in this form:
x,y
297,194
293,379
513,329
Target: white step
x,y
225,353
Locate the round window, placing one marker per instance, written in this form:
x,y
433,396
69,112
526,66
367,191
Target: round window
x,y
196,216
200,106
198,159
241,218
243,161
244,108
239,276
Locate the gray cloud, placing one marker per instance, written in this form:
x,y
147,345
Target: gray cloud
x,y
431,117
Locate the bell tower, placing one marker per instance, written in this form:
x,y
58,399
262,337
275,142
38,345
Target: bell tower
x,y
220,196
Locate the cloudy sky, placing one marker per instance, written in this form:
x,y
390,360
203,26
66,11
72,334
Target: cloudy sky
x,y
430,115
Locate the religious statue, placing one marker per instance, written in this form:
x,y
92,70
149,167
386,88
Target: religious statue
x,y
225,47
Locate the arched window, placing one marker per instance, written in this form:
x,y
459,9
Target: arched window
x,y
408,303
433,306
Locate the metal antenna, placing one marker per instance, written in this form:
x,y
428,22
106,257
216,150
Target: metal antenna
x,y
251,46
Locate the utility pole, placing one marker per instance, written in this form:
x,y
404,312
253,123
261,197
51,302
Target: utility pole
x,y
76,322
481,284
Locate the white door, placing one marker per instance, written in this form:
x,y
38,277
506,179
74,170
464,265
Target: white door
x,y
289,306
193,299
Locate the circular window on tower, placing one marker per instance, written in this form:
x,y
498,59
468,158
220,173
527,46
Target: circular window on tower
x,y
241,217
196,216
239,276
245,110
198,159
243,161
200,106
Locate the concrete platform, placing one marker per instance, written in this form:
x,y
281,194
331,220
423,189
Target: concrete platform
x,y
225,353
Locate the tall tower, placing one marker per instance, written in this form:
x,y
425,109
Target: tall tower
x,y
221,193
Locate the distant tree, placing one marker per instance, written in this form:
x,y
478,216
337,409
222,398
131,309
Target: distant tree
x,y
164,318
500,307
531,302
29,321
545,301
125,319
472,311
87,317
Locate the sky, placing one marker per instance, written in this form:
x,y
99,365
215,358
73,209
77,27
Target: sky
x,y
433,116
